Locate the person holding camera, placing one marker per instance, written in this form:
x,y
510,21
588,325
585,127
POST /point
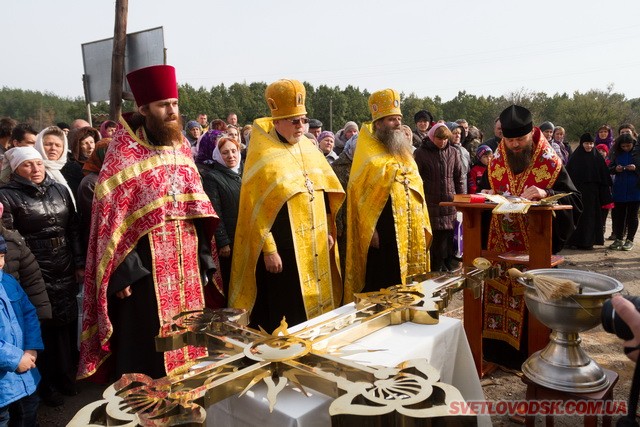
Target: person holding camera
x,y
628,312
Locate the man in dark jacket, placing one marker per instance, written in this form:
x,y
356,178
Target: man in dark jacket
x,y
497,136
440,167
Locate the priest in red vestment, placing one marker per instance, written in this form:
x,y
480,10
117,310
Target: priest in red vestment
x,y
524,165
148,254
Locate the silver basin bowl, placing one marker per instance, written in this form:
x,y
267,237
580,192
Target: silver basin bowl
x,y
562,364
577,313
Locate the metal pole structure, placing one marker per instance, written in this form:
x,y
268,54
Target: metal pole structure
x,y
85,87
117,60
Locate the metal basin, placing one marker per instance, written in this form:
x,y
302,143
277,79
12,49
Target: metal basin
x,y
562,364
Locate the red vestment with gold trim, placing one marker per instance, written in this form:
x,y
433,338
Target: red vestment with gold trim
x,y
144,190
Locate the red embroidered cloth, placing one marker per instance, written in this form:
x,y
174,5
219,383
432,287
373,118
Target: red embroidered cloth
x,y
143,189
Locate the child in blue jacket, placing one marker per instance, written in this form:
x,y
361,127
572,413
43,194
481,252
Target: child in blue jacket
x,y
19,341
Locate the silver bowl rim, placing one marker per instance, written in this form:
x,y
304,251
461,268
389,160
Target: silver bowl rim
x,y
550,271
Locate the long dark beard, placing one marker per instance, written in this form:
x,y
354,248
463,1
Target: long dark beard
x,y
396,141
519,162
161,132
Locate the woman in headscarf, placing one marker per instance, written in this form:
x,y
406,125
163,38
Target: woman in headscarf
x,y
42,211
193,132
589,173
108,128
90,170
221,181
82,142
604,136
53,146
213,298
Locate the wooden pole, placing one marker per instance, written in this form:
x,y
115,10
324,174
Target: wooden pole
x,y
117,60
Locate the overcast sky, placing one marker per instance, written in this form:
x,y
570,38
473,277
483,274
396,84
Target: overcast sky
x,y
430,48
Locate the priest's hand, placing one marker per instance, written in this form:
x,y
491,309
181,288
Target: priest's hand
x,y
375,240
225,251
533,193
331,242
273,262
126,292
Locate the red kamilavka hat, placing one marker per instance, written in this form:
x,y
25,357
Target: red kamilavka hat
x,y
153,83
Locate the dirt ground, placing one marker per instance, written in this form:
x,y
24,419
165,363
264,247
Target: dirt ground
x,y
604,348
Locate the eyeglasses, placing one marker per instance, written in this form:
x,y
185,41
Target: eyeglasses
x,y
296,122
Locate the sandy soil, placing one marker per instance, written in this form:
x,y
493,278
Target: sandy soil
x,y
604,348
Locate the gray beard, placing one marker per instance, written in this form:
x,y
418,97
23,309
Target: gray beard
x,y
395,140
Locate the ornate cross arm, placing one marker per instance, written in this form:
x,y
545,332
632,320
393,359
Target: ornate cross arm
x,y
243,357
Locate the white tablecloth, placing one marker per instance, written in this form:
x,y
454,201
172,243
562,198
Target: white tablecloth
x,y
444,345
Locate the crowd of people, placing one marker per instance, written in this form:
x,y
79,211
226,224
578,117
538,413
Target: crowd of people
x,y
280,217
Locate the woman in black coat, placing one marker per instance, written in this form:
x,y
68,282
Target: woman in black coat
x,y
440,167
42,211
221,179
588,171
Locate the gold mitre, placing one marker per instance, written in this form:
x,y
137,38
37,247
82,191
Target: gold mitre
x,y
286,99
384,103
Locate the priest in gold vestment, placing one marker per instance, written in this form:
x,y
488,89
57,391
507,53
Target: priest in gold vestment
x,y
389,232
285,262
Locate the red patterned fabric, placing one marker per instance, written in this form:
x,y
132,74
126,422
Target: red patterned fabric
x,y
509,232
133,198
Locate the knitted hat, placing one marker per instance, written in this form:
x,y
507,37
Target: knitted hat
x,y
350,125
603,147
326,134
153,83
516,121
286,99
3,245
546,126
384,103
483,150
586,137
193,124
423,115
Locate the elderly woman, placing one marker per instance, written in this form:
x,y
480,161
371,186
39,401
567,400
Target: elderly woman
x,y
108,128
221,180
53,146
326,141
193,131
83,142
42,211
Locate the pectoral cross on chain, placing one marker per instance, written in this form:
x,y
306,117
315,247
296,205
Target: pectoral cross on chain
x,y
404,180
309,184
